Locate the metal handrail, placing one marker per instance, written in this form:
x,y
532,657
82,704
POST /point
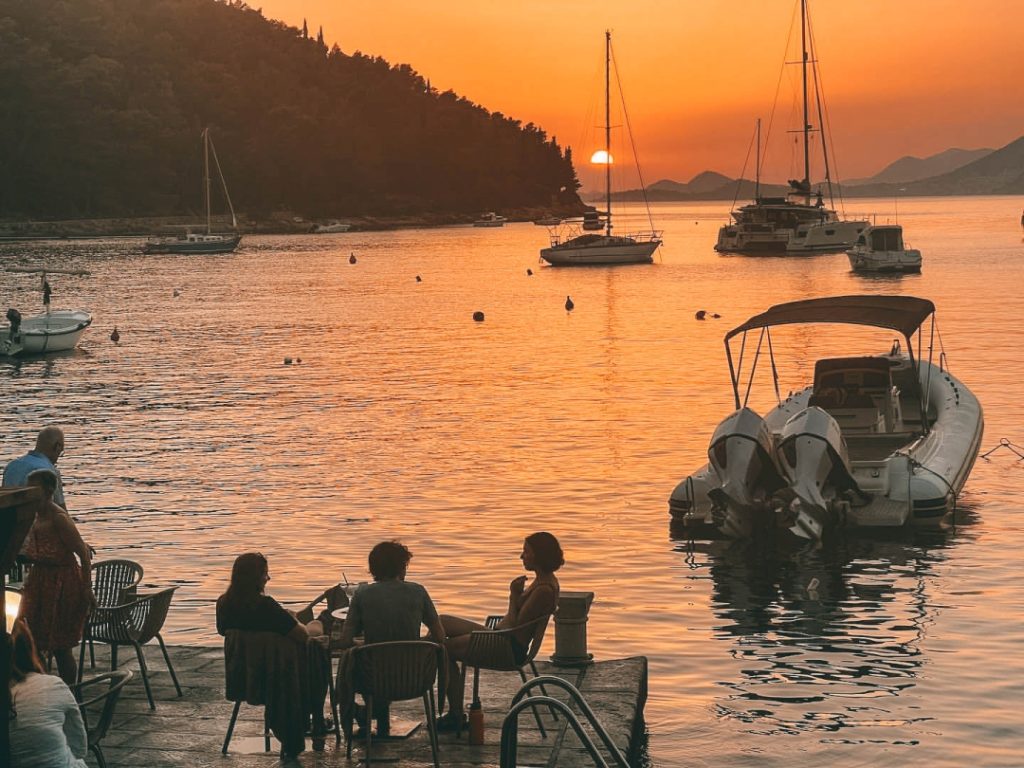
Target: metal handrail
x,y
522,699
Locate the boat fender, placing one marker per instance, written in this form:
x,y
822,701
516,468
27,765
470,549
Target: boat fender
x,y
14,318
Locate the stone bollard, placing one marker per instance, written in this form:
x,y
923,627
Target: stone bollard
x,y
571,630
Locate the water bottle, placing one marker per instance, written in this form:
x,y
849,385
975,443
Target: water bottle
x,y
476,724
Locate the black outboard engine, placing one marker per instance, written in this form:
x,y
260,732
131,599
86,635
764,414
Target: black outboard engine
x,y
14,318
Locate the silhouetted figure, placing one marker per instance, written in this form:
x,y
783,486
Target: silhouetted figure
x,y
529,271
115,336
419,279
14,318
47,291
568,304
352,259
478,316
700,314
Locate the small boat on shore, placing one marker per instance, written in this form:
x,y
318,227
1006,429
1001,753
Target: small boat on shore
x,y
881,249
878,441
330,227
51,331
202,242
490,219
548,221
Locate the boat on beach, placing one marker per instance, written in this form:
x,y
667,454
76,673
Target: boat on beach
x,y
881,249
799,223
574,248
330,227
490,219
50,331
209,241
877,441
548,221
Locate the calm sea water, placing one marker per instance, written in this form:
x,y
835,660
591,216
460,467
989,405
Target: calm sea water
x,y
191,441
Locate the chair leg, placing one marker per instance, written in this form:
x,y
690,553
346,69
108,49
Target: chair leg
x,y
113,656
369,722
335,713
81,660
266,731
431,713
100,760
167,658
231,727
536,711
145,674
92,654
543,690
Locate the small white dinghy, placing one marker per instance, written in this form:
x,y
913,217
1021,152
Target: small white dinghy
x,y
52,331
881,249
879,440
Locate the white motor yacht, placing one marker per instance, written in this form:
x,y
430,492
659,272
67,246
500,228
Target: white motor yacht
x,y
881,249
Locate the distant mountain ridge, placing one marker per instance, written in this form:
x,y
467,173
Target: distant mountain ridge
x,y
951,172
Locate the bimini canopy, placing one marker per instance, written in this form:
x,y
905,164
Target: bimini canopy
x,y
900,313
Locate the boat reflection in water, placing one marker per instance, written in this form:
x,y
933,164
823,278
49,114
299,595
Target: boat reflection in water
x,y
827,638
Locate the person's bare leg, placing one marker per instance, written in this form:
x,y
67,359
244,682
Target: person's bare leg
x,y
66,667
455,626
456,684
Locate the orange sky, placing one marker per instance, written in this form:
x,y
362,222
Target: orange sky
x,y
900,76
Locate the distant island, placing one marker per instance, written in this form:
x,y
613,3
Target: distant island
x,y
952,172
104,103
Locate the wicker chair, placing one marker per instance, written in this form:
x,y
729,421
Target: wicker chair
x,y
397,671
113,583
108,698
493,649
134,624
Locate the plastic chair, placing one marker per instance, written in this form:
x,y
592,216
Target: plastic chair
x,y
493,649
134,624
113,583
97,732
398,671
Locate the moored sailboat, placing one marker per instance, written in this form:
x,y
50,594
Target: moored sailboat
x,y
574,249
208,241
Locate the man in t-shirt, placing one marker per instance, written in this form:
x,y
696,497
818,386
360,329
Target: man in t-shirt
x,y
49,448
390,608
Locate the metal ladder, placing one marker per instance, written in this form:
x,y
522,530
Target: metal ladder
x,y
523,699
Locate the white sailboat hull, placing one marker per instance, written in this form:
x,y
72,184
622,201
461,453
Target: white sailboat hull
x,y
56,331
600,250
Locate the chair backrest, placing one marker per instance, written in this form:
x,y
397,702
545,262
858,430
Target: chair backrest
x,y
114,581
494,649
108,697
397,671
138,621
258,663
159,605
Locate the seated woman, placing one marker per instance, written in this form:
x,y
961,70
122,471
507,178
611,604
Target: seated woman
x,y
46,726
541,554
58,590
244,606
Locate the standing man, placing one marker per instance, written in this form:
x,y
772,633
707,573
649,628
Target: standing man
x,y
49,448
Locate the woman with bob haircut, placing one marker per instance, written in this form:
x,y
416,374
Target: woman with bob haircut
x,y
245,606
541,554
47,730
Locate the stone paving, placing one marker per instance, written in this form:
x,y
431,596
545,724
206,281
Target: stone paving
x,y
189,731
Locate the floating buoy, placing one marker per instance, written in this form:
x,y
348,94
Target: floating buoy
x,y
478,316
287,361
700,314
419,279
177,293
352,259
568,304
115,336
298,360
529,271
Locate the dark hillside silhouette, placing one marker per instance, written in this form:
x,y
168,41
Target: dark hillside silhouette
x,y
102,103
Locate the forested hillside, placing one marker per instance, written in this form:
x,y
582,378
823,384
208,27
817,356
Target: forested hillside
x,y
102,103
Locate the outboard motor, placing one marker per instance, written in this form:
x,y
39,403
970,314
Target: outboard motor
x,y
742,457
812,454
14,318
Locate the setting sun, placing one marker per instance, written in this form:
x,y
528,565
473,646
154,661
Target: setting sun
x,y
601,157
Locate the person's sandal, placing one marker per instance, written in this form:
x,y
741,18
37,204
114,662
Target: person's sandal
x,y
449,722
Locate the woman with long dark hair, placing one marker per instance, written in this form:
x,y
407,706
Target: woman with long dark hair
x,y
245,606
541,554
46,725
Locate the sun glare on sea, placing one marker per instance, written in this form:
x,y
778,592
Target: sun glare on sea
x,y
601,157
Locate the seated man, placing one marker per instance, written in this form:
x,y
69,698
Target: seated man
x,y
390,609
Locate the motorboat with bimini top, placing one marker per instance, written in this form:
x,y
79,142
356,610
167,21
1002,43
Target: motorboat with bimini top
x,y
574,248
51,331
208,241
881,249
879,440
793,225
490,219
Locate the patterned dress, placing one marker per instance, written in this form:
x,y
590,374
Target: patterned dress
x,y
54,601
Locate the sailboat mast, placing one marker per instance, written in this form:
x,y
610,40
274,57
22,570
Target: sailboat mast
x,y
807,126
608,130
206,174
757,164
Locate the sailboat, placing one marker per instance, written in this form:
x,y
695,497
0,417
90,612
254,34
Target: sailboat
x,y
202,242
793,224
606,248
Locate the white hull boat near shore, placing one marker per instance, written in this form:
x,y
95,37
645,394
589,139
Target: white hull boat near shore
x,y
882,250
56,331
879,441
